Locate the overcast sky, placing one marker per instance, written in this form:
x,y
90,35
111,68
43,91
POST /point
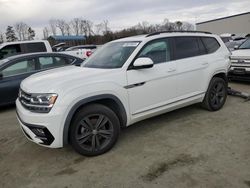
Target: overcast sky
x,y
120,13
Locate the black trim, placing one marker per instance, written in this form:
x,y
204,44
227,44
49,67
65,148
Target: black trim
x,y
223,18
121,110
159,32
169,103
47,138
134,85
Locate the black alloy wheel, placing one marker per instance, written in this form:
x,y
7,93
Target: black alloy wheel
x,y
95,130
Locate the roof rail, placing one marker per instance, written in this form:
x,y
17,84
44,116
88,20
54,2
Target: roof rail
x,y
159,32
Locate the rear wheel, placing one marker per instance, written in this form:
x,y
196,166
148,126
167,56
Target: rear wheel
x,y
94,130
216,94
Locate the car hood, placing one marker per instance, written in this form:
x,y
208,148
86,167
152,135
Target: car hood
x,y
242,54
62,78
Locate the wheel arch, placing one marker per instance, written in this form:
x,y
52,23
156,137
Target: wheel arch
x,y
109,100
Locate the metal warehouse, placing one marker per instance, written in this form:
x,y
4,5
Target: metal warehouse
x,y
236,24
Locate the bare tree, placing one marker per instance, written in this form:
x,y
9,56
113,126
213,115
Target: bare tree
x,y
45,33
103,27
86,27
76,25
22,30
61,25
52,24
67,29
187,26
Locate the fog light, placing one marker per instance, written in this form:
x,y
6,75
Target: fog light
x,y
38,132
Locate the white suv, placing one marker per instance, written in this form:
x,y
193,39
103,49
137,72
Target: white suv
x,y
124,82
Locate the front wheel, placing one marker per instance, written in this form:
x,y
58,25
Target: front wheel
x,y
94,130
216,94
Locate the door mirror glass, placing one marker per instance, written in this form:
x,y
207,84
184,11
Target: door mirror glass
x,y
143,62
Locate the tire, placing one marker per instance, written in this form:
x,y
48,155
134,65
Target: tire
x,y
94,130
216,94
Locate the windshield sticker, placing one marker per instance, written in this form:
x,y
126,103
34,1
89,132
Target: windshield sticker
x,y
131,44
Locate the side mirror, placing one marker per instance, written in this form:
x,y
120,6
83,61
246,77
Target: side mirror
x,y
143,63
236,47
1,75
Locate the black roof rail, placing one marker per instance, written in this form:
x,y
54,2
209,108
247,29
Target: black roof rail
x,y
159,32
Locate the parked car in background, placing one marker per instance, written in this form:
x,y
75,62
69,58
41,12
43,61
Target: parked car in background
x,y
240,62
22,47
81,51
235,43
16,68
125,81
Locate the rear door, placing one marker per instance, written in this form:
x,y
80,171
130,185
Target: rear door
x,y
192,65
12,76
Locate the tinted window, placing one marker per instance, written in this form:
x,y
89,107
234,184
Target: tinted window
x,y
34,47
50,62
186,47
211,44
158,51
21,67
10,50
202,48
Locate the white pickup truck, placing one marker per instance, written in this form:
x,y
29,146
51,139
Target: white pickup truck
x,y
22,47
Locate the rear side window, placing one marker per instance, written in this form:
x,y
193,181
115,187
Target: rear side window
x,y
10,50
186,47
50,62
34,47
211,44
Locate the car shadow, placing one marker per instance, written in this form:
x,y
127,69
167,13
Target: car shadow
x,y
6,108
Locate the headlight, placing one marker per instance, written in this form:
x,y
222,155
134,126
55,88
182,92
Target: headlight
x,y
41,103
43,99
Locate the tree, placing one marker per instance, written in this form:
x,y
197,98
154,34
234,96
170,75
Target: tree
x,y
31,34
76,24
52,24
1,38
61,25
178,25
45,33
22,30
10,34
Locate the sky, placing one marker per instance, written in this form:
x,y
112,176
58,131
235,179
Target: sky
x,y
120,13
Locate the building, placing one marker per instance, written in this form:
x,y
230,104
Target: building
x,y
68,40
237,24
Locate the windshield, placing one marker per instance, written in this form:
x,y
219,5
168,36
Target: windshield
x,y
111,55
245,45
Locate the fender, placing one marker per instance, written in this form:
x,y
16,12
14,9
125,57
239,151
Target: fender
x,y
88,100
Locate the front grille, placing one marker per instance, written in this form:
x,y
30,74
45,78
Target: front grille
x,y
25,100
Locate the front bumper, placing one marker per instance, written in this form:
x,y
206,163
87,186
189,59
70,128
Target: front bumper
x,y
43,129
239,73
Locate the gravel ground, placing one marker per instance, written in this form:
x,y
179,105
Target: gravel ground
x,y
190,147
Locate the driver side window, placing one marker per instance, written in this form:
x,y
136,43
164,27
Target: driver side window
x,y
158,51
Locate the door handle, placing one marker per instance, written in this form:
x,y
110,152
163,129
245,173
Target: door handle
x,y
205,64
171,69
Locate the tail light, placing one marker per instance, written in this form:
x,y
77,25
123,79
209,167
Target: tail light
x,y
88,53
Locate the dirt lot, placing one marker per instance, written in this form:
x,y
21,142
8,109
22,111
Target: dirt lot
x,y
189,147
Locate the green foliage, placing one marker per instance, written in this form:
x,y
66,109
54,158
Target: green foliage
x,y
10,34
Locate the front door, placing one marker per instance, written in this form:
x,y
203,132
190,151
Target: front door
x,y
153,88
